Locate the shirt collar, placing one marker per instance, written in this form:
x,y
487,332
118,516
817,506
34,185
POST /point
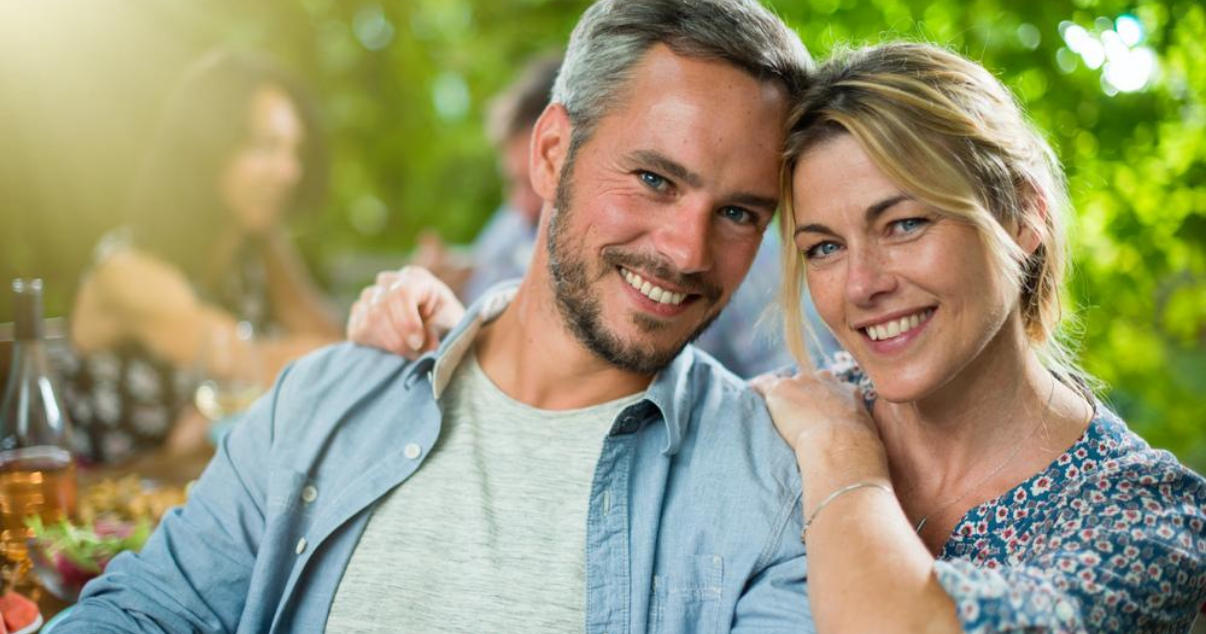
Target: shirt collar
x,y
671,393
440,364
674,392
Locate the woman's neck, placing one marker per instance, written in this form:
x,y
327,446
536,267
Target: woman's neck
x,y
970,428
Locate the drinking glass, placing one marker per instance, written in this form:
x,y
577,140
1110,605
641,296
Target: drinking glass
x,y
229,371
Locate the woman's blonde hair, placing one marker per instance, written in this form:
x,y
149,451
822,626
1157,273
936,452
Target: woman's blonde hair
x,y
953,137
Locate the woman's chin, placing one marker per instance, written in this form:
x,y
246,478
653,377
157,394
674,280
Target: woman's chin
x,y
895,388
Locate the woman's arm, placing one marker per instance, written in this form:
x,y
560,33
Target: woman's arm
x,y
867,570
1121,549
137,297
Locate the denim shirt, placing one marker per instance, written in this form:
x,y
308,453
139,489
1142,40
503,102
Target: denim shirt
x,y
693,523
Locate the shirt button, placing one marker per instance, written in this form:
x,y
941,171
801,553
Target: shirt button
x,y
301,545
413,451
309,493
1063,610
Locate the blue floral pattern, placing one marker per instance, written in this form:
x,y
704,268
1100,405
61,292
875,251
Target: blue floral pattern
x,y
1111,537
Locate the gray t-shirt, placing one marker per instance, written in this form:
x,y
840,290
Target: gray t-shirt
x,y
489,535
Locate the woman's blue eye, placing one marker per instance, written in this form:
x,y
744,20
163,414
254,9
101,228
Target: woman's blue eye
x,y
909,225
652,180
821,250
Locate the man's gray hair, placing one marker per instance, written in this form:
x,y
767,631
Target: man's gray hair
x,y
614,35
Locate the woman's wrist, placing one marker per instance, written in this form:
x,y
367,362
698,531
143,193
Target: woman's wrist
x,y
829,442
832,457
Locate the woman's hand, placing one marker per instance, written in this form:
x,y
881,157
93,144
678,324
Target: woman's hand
x,y
405,312
812,402
828,427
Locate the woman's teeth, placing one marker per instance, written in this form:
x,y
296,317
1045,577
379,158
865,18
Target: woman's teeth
x,y
656,293
897,327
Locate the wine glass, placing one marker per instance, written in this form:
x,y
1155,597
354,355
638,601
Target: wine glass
x,y
230,372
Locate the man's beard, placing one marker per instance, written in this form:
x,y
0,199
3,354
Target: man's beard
x,y
580,307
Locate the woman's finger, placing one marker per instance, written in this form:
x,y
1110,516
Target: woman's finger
x,y
764,383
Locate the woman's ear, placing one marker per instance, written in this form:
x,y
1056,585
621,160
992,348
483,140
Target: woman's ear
x,y
1032,227
550,144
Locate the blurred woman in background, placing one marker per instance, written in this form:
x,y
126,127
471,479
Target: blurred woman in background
x,y
204,261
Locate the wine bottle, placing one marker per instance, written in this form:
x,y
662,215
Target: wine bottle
x,y
37,473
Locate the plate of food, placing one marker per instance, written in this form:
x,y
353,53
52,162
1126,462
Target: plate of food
x,y
113,516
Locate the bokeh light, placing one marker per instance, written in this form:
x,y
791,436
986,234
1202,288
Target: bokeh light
x,y
1116,49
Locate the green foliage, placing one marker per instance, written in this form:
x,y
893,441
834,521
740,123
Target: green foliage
x,y
405,85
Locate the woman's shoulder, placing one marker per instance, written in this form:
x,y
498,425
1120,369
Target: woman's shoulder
x,y
1110,449
130,280
843,366
1114,479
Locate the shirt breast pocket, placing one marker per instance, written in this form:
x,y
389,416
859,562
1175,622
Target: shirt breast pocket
x,y
686,595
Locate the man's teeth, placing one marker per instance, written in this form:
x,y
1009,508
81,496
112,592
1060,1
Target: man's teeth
x,y
897,327
656,293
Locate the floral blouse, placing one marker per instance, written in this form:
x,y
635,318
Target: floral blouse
x,y
1111,537
124,401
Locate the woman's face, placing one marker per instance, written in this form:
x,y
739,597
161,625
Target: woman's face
x,y
912,294
261,176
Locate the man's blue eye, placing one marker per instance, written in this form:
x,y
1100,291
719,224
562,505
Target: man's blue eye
x,y
737,214
653,180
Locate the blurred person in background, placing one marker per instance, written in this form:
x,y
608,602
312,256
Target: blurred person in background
x,y
503,248
204,258
744,338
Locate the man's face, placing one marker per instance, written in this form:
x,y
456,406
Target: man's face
x,y
660,212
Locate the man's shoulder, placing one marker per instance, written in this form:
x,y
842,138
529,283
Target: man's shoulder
x,y
339,375
341,400
716,387
729,418
346,360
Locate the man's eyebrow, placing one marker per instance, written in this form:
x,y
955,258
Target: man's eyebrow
x,y
665,165
873,212
748,199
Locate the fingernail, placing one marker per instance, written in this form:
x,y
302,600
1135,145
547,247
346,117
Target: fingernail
x,y
415,341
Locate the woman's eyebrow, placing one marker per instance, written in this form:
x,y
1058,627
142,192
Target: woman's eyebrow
x,y
875,211
871,214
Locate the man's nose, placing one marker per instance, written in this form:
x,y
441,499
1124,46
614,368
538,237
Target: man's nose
x,y
685,238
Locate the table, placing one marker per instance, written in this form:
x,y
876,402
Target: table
x,y
171,469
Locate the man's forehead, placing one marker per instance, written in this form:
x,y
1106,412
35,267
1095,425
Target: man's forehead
x,y
662,62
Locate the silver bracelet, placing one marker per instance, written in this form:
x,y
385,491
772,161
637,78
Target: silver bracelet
x,y
837,494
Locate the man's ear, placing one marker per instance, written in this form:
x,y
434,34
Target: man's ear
x,y
550,145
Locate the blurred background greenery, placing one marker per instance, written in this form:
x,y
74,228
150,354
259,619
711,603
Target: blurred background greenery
x,y
1117,85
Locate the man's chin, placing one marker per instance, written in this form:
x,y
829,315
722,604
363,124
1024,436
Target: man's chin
x,y
646,346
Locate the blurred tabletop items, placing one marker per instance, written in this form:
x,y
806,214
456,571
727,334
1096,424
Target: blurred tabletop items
x,y
63,517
